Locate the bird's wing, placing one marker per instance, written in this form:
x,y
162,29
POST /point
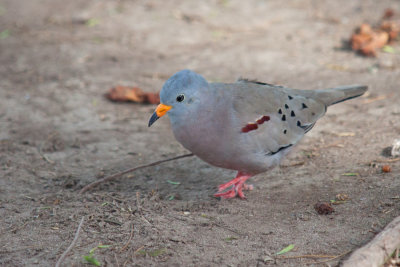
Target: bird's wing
x,y
272,118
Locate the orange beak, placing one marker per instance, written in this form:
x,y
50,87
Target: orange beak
x,y
160,111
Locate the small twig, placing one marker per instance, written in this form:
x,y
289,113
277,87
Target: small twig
x,y
139,249
116,175
385,160
129,240
306,257
72,243
338,256
116,259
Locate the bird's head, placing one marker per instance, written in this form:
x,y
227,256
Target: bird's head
x,y
179,94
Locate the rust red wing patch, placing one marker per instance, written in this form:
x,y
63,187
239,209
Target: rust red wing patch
x,y
263,119
253,126
249,127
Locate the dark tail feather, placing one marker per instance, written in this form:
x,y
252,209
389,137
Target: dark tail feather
x,y
336,95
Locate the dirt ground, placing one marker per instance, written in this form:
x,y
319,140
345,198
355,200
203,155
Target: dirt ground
x,y
58,133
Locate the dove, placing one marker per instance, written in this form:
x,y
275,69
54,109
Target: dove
x,y
246,126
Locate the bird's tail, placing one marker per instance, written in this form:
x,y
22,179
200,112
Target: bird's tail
x,y
336,95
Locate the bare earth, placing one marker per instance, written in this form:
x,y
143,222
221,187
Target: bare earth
x,y
58,133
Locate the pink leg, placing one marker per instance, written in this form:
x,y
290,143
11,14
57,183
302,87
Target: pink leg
x,y
238,184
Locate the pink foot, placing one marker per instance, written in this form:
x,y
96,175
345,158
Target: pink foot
x,y
238,184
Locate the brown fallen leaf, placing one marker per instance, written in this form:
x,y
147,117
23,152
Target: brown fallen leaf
x,y
121,93
367,39
324,208
388,13
392,28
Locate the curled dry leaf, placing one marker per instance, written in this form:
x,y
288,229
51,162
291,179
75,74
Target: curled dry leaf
x,y
121,93
324,208
342,197
368,40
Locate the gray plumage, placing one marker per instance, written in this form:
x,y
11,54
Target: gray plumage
x,y
216,121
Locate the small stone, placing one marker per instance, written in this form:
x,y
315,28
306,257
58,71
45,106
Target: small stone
x,y
386,168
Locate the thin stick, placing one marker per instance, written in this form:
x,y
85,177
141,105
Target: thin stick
x,y
129,240
307,257
338,256
72,243
385,160
116,175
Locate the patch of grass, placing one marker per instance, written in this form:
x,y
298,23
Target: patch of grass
x,y
152,253
92,22
5,34
91,259
231,238
350,174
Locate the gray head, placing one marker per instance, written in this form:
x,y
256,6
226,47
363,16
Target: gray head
x,y
178,93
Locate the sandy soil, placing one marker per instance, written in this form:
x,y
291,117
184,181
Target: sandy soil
x,y
58,133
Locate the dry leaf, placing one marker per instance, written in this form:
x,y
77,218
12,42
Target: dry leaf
x,y
388,13
367,40
121,93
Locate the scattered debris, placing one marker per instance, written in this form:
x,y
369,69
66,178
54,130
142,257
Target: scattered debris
x,y
367,39
324,208
152,253
121,93
386,168
342,197
285,250
395,148
119,174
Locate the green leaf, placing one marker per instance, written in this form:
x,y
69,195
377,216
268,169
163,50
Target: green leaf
x,y
152,253
171,197
230,238
172,182
350,174
104,246
285,250
90,259
4,34
156,252
92,22
389,49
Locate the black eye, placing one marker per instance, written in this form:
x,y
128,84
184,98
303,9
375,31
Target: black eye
x,y
180,98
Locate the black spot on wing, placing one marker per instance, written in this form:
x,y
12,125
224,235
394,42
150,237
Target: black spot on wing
x,y
283,117
307,127
279,150
292,114
303,106
290,97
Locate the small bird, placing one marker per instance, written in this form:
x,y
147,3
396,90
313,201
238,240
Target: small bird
x,y
247,126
